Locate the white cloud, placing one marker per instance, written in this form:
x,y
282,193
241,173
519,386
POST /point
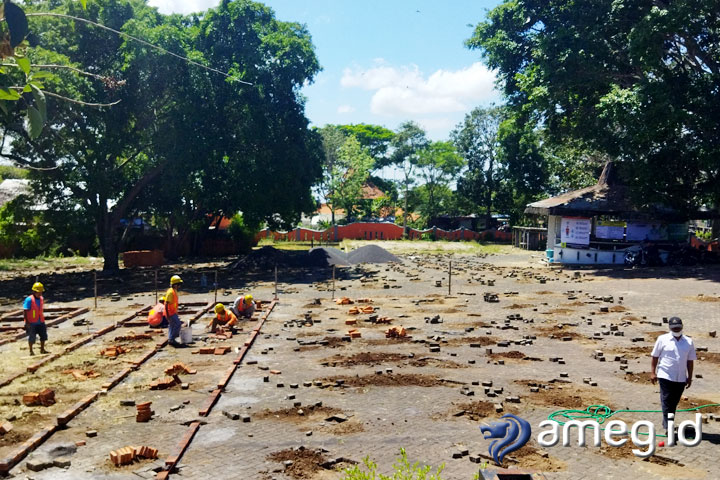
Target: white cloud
x,y
405,91
345,109
183,6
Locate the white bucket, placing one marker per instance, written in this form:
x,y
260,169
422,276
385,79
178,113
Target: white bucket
x,y
186,335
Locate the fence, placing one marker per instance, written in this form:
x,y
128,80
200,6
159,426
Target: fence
x,y
380,231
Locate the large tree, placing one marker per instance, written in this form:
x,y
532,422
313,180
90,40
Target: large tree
x,y
184,142
408,142
476,139
438,165
632,79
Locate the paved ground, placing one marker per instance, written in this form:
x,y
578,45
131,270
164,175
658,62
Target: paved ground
x,y
402,394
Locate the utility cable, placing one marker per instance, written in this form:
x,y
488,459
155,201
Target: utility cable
x,y
139,40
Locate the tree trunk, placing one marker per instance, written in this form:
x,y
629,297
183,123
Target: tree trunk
x,y
108,242
488,193
405,229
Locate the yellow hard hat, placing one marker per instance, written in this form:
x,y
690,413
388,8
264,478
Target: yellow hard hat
x,y
38,287
248,298
175,279
162,299
219,308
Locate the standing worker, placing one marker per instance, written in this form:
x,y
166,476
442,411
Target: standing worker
x,y
172,303
156,315
244,306
673,360
222,317
35,317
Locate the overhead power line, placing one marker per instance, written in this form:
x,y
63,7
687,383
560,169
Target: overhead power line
x,y
139,40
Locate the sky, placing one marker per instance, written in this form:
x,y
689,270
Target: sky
x,y
387,61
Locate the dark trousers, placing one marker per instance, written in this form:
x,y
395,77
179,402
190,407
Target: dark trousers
x,y
670,393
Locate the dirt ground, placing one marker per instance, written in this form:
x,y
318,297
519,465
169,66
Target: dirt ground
x,y
533,352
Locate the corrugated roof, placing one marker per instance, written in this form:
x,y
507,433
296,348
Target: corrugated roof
x,y
610,196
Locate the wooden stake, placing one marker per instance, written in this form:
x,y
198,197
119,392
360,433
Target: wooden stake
x,y
156,289
216,285
276,280
333,280
450,279
95,287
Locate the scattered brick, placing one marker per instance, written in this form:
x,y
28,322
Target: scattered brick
x,y
5,427
113,351
127,455
165,383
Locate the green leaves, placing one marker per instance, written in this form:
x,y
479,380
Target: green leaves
x,y
9,94
24,64
35,122
17,23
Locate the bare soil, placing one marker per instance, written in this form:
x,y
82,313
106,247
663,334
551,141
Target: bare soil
x,y
292,414
306,462
390,380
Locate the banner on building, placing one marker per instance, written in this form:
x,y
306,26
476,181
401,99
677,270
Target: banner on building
x,y
610,230
638,232
575,231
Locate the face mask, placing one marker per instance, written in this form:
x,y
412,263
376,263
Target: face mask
x,y
677,334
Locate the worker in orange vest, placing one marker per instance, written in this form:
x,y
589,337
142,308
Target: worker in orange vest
x,y
156,315
35,317
172,303
222,317
244,306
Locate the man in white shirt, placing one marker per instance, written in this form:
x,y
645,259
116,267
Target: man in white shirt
x,y
673,359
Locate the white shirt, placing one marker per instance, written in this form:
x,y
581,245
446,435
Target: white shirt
x,y
673,355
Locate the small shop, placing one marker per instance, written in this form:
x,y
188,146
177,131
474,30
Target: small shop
x,y
598,224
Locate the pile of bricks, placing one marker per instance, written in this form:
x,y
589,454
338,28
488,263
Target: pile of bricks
x,y
344,301
80,374
144,414
212,350
396,332
354,333
113,351
165,383
179,368
358,310
44,398
5,427
127,455
383,320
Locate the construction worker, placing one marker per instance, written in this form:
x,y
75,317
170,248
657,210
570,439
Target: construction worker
x,y
35,317
222,317
156,315
172,303
244,306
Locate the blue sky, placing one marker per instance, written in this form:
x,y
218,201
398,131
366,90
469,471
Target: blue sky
x,y
387,61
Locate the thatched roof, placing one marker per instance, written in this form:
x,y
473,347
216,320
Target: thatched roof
x,y
609,196
12,188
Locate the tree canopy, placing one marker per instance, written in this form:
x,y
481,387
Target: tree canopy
x,y
635,80
184,142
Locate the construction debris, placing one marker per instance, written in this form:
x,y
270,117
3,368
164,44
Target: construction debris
x,y
165,383
113,351
81,374
127,455
395,332
179,368
344,301
5,427
45,398
144,413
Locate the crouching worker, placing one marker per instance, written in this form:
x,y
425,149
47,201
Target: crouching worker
x,y
244,306
222,317
156,315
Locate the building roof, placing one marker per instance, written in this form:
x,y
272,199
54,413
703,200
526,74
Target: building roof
x,y
609,196
12,188
370,191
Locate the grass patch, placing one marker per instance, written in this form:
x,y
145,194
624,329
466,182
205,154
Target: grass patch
x,y
48,263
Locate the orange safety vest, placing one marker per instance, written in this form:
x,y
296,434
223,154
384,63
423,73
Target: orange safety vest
x,y
228,318
36,311
172,302
155,316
